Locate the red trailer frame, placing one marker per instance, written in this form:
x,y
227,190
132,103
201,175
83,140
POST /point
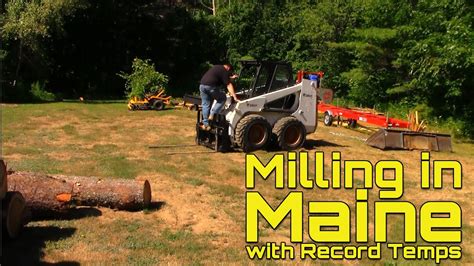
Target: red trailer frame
x,y
352,116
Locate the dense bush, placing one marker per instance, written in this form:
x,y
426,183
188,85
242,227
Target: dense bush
x,y
39,93
143,80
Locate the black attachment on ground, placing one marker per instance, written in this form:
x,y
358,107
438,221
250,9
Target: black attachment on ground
x,y
217,138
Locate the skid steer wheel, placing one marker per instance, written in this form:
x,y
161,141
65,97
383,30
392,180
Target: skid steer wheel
x,y
328,119
158,105
252,133
290,133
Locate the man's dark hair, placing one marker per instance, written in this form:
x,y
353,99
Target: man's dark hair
x,y
231,68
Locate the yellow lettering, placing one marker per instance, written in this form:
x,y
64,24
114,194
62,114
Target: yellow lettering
x,y
318,225
391,188
252,163
382,209
430,227
255,204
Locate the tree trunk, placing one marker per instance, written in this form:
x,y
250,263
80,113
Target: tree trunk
x,y
3,180
46,194
20,55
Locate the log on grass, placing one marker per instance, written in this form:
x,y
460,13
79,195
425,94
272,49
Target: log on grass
x,y
45,193
122,194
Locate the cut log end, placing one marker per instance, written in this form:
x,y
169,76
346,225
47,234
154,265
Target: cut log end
x,y
146,194
13,214
3,179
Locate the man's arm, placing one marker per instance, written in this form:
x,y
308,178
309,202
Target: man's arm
x,y
230,88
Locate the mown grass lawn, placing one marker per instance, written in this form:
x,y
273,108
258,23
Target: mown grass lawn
x,y
199,213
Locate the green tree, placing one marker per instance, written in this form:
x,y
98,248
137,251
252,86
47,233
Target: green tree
x,y
255,29
30,22
437,59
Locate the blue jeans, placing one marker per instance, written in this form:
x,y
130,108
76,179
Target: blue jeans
x,y
208,94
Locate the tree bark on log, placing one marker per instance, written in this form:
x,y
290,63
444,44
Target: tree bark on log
x,y
119,194
43,194
56,193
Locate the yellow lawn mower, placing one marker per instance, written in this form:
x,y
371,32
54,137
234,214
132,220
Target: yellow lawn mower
x,y
156,101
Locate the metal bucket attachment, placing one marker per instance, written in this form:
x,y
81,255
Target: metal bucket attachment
x,y
386,139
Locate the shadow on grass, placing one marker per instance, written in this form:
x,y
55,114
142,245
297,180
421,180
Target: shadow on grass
x,y
71,214
311,144
154,206
27,249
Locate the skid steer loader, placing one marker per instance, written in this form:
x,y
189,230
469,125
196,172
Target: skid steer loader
x,y
272,108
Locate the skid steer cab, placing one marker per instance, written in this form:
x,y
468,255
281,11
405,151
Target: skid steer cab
x,y
272,109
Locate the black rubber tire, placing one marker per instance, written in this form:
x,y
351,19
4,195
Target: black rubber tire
x,y
252,133
158,105
290,133
353,123
328,119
